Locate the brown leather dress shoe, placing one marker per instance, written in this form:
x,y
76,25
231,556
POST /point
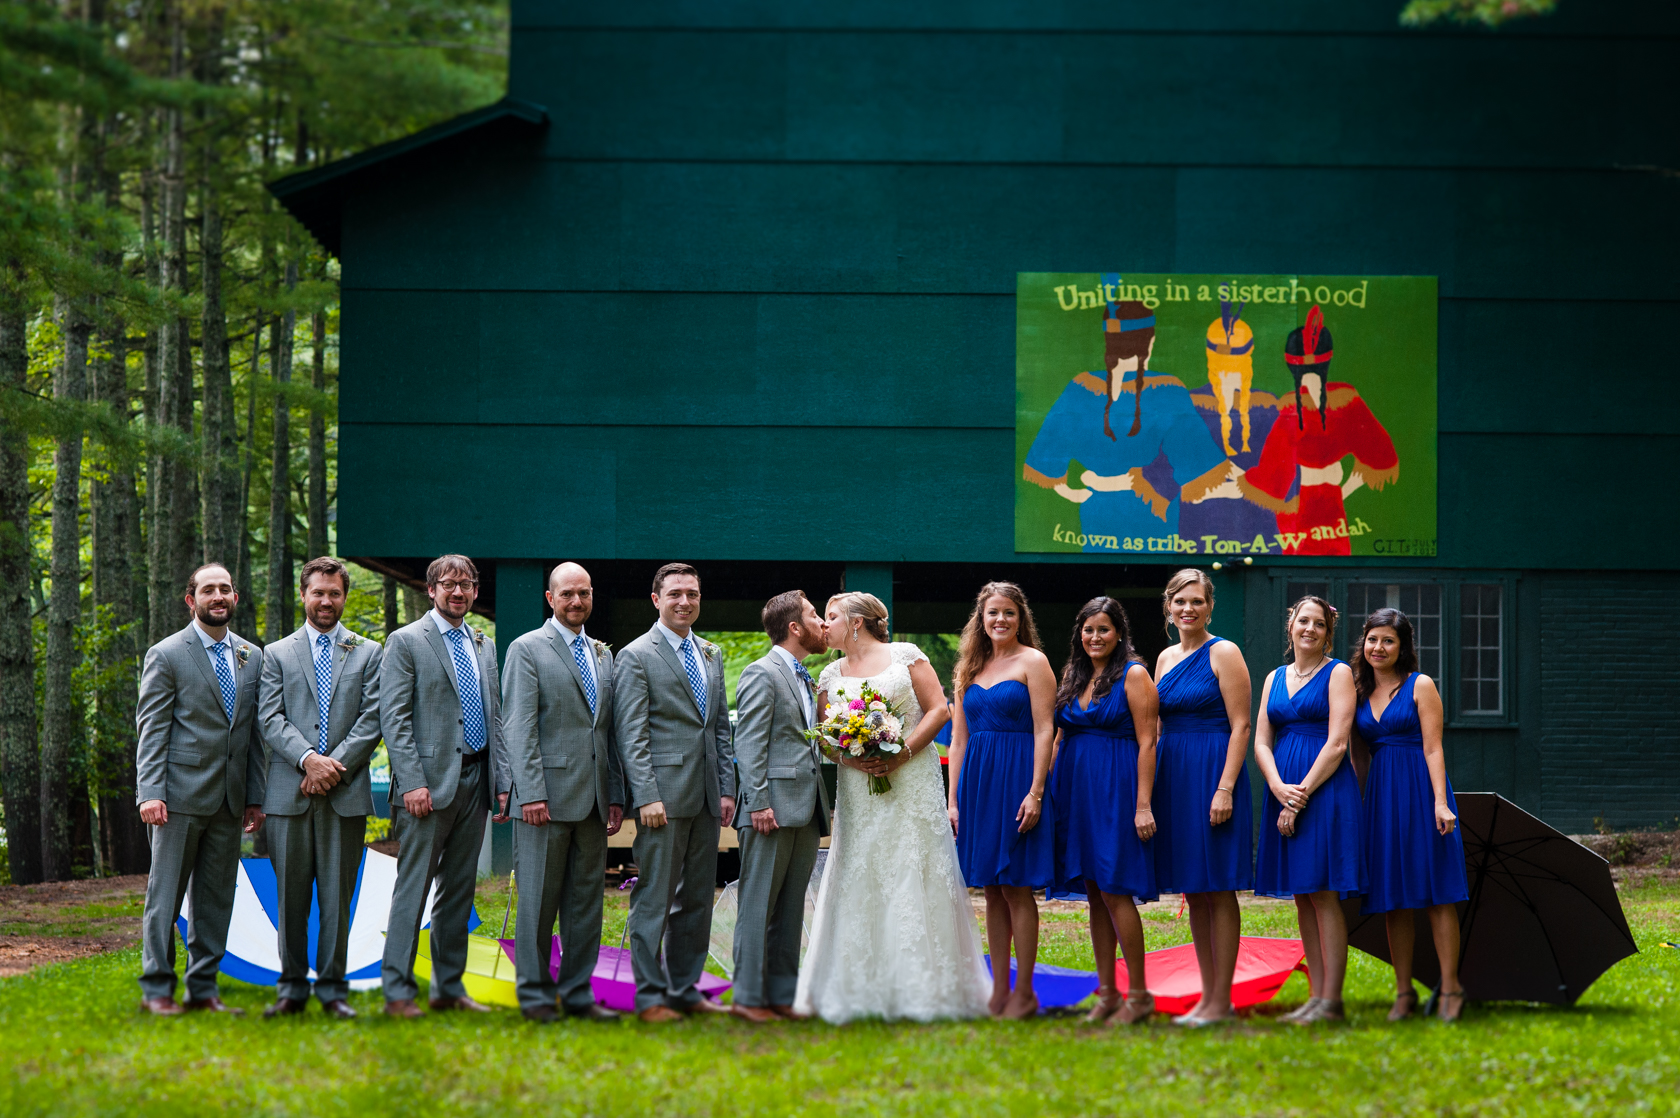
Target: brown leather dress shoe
x,y
705,1005
338,1008
787,1012
403,1007
541,1014
165,1006
756,1014
213,1004
595,1012
283,1007
462,1002
659,1015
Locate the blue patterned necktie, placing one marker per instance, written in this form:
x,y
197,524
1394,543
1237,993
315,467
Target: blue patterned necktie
x,y
472,705
584,673
810,689
694,678
323,684
224,677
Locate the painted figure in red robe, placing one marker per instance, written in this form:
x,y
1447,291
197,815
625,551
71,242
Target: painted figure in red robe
x,y
1327,422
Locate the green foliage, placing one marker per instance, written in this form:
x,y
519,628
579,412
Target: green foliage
x,y
1489,13
72,1043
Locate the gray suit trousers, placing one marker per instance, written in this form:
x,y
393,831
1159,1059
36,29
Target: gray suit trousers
x,y
201,853
672,903
561,869
770,920
443,845
318,851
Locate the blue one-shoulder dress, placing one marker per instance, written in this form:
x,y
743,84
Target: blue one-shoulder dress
x,y
1326,851
1094,786
1412,864
1191,855
997,772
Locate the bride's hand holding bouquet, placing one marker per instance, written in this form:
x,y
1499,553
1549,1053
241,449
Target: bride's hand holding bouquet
x,y
864,731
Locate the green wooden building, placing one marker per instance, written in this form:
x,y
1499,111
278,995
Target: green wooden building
x,y
714,278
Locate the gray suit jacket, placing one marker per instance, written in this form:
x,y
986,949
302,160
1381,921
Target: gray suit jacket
x,y
669,753
288,711
553,748
420,711
778,766
189,756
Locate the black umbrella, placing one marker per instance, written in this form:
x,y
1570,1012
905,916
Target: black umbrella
x,y
1542,922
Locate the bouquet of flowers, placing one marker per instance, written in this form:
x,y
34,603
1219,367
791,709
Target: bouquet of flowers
x,y
862,725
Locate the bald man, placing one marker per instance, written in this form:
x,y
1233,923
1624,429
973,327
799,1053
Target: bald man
x,y
563,779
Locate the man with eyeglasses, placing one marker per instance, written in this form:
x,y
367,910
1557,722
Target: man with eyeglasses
x,y
440,713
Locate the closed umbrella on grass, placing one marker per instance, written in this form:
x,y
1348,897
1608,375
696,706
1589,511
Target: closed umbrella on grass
x,y
1543,920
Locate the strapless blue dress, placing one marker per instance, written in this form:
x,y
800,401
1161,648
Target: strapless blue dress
x,y
1326,852
1191,855
1094,786
1412,865
997,772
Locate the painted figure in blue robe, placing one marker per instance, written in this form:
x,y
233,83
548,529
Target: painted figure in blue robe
x,y
1133,477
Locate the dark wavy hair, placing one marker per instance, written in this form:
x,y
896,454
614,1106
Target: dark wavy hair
x,y
1079,668
1365,676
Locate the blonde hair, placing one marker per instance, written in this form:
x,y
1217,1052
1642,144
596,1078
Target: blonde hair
x,y
976,646
866,609
1178,582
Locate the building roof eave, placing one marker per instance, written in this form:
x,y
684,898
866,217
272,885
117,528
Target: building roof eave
x,y
315,197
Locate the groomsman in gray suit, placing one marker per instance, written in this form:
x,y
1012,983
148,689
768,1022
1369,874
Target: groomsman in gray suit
x,y
199,770
783,809
319,711
561,769
672,722
439,701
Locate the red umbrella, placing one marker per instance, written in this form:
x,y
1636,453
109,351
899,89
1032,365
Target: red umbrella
x,y
1263,966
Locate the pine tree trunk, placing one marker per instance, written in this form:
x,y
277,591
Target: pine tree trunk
x,y
122,837
20,763
391,621
318,441
245,613
165,494
415,604
220,463
62,721
188,546
278,604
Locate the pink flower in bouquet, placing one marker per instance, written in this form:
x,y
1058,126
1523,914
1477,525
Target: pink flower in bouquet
x,y
857,704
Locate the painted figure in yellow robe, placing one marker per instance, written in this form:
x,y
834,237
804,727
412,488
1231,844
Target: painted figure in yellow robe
x,y
1230,360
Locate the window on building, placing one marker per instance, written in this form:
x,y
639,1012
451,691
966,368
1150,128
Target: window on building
x,y
1420,601
1481,666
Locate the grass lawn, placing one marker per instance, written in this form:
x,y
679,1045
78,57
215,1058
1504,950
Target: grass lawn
x,y
72,1041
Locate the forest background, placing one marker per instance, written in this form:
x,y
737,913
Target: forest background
x,y
168,348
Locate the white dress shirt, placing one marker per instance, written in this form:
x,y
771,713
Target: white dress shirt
x,y
572,638
443,627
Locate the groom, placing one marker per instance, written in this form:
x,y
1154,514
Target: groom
x,y
783,809
671,718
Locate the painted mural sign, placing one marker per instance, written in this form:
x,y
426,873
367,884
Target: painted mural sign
x,y
1160,416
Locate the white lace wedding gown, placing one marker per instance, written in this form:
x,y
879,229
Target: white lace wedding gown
x,y
894,936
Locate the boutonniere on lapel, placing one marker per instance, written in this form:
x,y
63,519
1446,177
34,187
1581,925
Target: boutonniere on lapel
x,y
478,637
350,642
600,647
709,651
242,654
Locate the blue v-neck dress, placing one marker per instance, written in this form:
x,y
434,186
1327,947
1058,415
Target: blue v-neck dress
x,y
1326,851
1412,864
1095,785
1192,855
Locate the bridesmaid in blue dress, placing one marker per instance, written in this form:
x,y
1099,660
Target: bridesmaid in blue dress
x,y
1001,748
1204,847
1310,845
1411,818
1106,719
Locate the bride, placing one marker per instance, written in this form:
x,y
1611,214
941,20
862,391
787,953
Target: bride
x,y
894,936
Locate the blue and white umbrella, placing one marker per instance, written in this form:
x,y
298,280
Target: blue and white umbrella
x,y
253,948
